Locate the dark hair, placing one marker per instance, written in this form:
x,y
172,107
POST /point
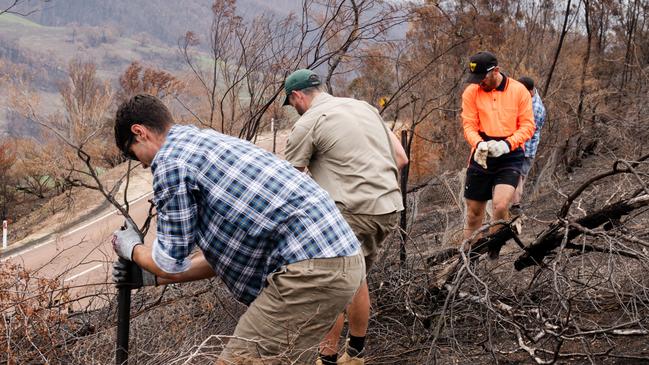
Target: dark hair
x,y
312,89
528,82
143,109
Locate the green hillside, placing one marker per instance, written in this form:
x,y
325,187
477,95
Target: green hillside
x,y
10,19
36,47
164,20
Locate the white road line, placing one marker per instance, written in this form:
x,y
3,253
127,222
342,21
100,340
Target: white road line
x,y
72,231
83,272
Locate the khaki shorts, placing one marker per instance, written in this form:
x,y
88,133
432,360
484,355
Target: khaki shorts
x,y
294,311
371,231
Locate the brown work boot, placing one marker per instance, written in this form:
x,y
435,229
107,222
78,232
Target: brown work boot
x,y
319,361
349,360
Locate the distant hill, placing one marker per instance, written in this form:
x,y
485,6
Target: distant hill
x,y
41,54
52,47
111,33
162,19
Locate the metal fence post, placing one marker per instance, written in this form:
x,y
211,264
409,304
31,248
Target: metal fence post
x,y
404,213
273,130
123,321
4,234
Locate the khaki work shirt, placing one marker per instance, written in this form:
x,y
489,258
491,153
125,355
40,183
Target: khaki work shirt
x,y
348,152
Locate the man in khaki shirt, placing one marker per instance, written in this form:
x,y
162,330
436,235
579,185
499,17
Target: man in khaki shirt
x,y
351,154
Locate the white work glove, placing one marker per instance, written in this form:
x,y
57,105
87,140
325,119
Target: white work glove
x,y
480,154
497,148
124,240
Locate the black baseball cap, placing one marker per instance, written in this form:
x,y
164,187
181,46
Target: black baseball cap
x,y
479,65
298,80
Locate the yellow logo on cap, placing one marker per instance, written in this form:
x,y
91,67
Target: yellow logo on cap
x,y
472,66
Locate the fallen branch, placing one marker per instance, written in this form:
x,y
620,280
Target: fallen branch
x,y
450,257
552,237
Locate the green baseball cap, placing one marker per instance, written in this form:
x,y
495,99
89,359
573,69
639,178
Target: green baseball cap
x,y
298,80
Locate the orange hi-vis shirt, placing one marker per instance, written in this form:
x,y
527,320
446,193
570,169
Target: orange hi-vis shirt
x,y
498,114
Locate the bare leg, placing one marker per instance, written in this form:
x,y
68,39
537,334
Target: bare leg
x,y
358,312
475,213
502,198
329,344
518,194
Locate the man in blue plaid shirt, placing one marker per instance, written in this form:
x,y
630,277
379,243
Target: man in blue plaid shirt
x,y
532,144
269,232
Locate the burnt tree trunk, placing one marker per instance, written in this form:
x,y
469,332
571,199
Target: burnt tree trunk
x,y
562,36
553,236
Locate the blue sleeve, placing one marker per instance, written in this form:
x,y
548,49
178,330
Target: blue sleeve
x,y
542,115
176,208
539,112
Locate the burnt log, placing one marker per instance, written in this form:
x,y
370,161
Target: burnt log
x,y
554,235
450,258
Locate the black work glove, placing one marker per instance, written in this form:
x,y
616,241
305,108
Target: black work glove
x,y
129,274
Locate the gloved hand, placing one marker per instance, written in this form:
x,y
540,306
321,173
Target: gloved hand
x,y
127,273
480,154
497,148
124,240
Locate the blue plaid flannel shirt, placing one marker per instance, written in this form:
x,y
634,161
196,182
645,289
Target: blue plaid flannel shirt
x,y
532,144
247,210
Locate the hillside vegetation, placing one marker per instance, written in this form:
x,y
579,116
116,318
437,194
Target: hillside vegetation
x,y
32,45
166,21
571,288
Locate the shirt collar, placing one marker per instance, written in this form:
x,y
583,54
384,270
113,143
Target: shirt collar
x,y
320,99
503,83
174,128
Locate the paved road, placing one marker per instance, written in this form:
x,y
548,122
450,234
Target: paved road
x,y
81,257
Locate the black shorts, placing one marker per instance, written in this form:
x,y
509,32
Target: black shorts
x,y
505,170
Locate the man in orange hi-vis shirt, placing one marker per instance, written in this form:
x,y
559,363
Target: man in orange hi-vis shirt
x,y
497,119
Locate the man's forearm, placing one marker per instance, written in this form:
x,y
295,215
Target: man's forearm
x,y
199,269
399,153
